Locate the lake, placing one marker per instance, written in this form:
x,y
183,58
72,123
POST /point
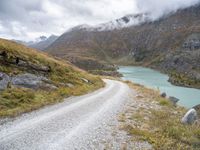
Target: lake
x,y
150,78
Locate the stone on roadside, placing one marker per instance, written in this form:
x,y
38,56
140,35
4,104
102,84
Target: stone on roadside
x,y
174,100
190,117
163,95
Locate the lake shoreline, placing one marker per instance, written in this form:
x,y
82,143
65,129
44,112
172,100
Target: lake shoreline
x,y
156,80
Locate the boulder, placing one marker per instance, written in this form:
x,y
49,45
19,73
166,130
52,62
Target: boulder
x,y
4,80
190,117
163,95
174,100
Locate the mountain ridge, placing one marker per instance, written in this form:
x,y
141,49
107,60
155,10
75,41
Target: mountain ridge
x,y
158,44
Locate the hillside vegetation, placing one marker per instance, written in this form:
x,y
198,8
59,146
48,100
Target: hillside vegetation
x,y
59,79
157,121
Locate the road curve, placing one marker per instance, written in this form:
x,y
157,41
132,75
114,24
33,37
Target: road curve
x,y
78,123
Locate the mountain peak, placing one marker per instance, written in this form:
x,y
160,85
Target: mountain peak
x,y
126,21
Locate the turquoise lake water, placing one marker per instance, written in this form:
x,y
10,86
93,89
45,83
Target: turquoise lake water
x,y
189,97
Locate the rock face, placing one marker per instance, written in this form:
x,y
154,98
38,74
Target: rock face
x,y
190,117
192,42
4,80
31,81
27,81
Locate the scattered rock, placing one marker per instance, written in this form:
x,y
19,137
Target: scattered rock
x,y
174,100
190,117
85,80
4,80
67,85
163,95
70,85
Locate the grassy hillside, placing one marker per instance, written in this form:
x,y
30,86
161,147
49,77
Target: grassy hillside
x,y
16,59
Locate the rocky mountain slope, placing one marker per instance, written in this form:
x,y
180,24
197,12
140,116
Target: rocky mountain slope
x,y
30,79
170,44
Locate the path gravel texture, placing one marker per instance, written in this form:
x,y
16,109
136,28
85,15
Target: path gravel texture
x,y
87,122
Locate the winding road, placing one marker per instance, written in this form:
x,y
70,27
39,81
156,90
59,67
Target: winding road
x,y
83,122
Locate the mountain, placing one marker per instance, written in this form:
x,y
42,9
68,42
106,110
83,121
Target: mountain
x,y
40,43
30,79
43,43
126,21
169,44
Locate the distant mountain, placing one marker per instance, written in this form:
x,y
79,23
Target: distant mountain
x,y
170,44
43,43
40,43
126,21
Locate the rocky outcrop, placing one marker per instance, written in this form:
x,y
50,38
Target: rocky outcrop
x,y
32,81
190,117
26,80
22,63
192,42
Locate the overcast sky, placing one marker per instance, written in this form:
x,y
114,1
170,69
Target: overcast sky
x,y
28,19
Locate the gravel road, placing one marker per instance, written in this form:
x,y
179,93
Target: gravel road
x,y
84,122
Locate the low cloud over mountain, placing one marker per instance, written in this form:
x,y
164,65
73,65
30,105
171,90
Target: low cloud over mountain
x,y
26,20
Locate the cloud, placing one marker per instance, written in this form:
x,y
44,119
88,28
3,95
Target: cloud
x,y
159,8
26,20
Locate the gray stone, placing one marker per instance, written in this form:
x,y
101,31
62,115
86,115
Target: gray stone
x,y
26,80
190,117
197,108
163,95
174,100
32,81
4,80
70,85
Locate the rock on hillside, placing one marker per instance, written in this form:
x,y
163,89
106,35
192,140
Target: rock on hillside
x,y
170,44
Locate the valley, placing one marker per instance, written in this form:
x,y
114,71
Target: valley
x,y
169,44
100,75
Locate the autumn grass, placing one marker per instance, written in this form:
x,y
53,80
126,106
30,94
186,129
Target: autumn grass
x,y
163,128
16,101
